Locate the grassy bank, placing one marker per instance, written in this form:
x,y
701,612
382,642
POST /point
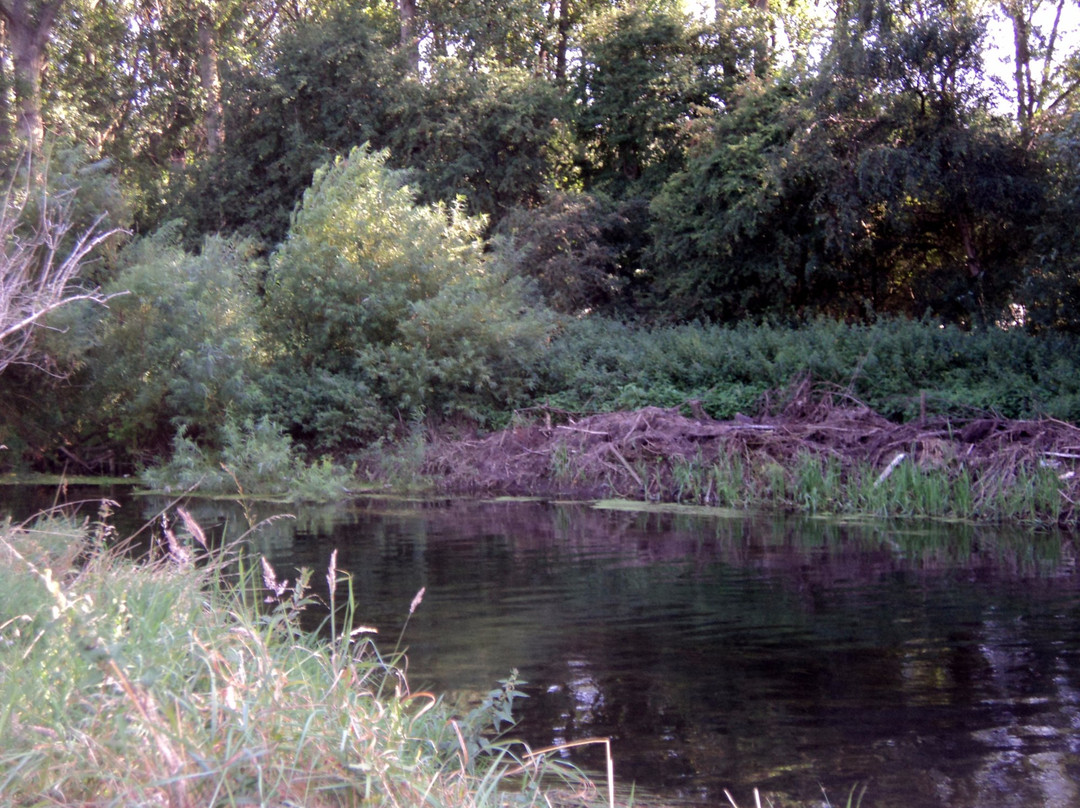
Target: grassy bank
x,y
186,680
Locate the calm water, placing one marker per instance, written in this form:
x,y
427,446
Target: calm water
x,y
937,667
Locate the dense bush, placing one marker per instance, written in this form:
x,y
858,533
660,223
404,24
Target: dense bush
x,y
895,366
181,348
581,249
256,459
380,309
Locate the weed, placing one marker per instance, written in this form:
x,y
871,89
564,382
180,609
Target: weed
x,y
729,482
194,684
560,463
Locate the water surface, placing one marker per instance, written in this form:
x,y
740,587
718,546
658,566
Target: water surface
x,y
936,666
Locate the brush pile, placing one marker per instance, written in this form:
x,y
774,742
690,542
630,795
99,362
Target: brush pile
x,y
636,454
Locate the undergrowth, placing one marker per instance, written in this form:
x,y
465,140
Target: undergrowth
x,y
186,679
256,459
900,368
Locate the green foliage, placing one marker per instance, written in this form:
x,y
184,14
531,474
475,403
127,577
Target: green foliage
x,y
636,83
324,87
374,294
883,185
333,83
900,368
1051,293
181,348
581,249
256,459
189,468
490,137
481,34
730,236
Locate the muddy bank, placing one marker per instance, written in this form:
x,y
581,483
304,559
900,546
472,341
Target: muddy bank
x,y
666,454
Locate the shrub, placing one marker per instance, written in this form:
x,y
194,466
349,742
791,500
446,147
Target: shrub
x,y
182,348
393,308
256,459
580,248
900,368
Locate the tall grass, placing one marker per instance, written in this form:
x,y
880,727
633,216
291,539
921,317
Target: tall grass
x,y
187,680
823,484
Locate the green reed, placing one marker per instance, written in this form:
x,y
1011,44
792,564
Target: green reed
x,y
818,484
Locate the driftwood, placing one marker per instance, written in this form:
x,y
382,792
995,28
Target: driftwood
x,y
575,457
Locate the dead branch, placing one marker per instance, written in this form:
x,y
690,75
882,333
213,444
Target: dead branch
x,y
40,262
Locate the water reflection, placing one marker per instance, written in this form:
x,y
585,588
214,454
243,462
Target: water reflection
x,y
937,666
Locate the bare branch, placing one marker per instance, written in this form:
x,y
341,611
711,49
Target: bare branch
x,y
40,260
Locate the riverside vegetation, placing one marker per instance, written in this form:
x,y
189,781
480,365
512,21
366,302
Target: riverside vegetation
x,y
334,236
184,678
324,276
382,328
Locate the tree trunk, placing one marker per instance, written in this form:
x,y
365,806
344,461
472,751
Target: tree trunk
x,y
28,34
213,117
410,43
1036,65
562,40
1022,66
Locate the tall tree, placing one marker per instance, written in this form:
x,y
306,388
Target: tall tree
x,y
636,84
1045,79
210,81
28,25
885,185
410,40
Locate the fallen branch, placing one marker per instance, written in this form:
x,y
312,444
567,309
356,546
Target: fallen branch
x,y
896,461
622,460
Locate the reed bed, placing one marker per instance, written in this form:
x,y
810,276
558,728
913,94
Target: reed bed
x,y
185,679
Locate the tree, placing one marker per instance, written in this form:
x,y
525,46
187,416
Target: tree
x,y
647,71
635,87
733,232
489,137
1051,292
582,250
380,308
40,261
883,185
28,25
1044,76
323,86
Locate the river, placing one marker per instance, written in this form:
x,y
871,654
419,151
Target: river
x,y
934,665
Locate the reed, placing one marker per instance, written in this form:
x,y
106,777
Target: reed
x,y
187,680
729,483
816,484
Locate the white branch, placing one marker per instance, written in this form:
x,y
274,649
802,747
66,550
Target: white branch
x,y
36,269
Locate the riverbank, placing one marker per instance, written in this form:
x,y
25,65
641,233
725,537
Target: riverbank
x,y
807,452
187,680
